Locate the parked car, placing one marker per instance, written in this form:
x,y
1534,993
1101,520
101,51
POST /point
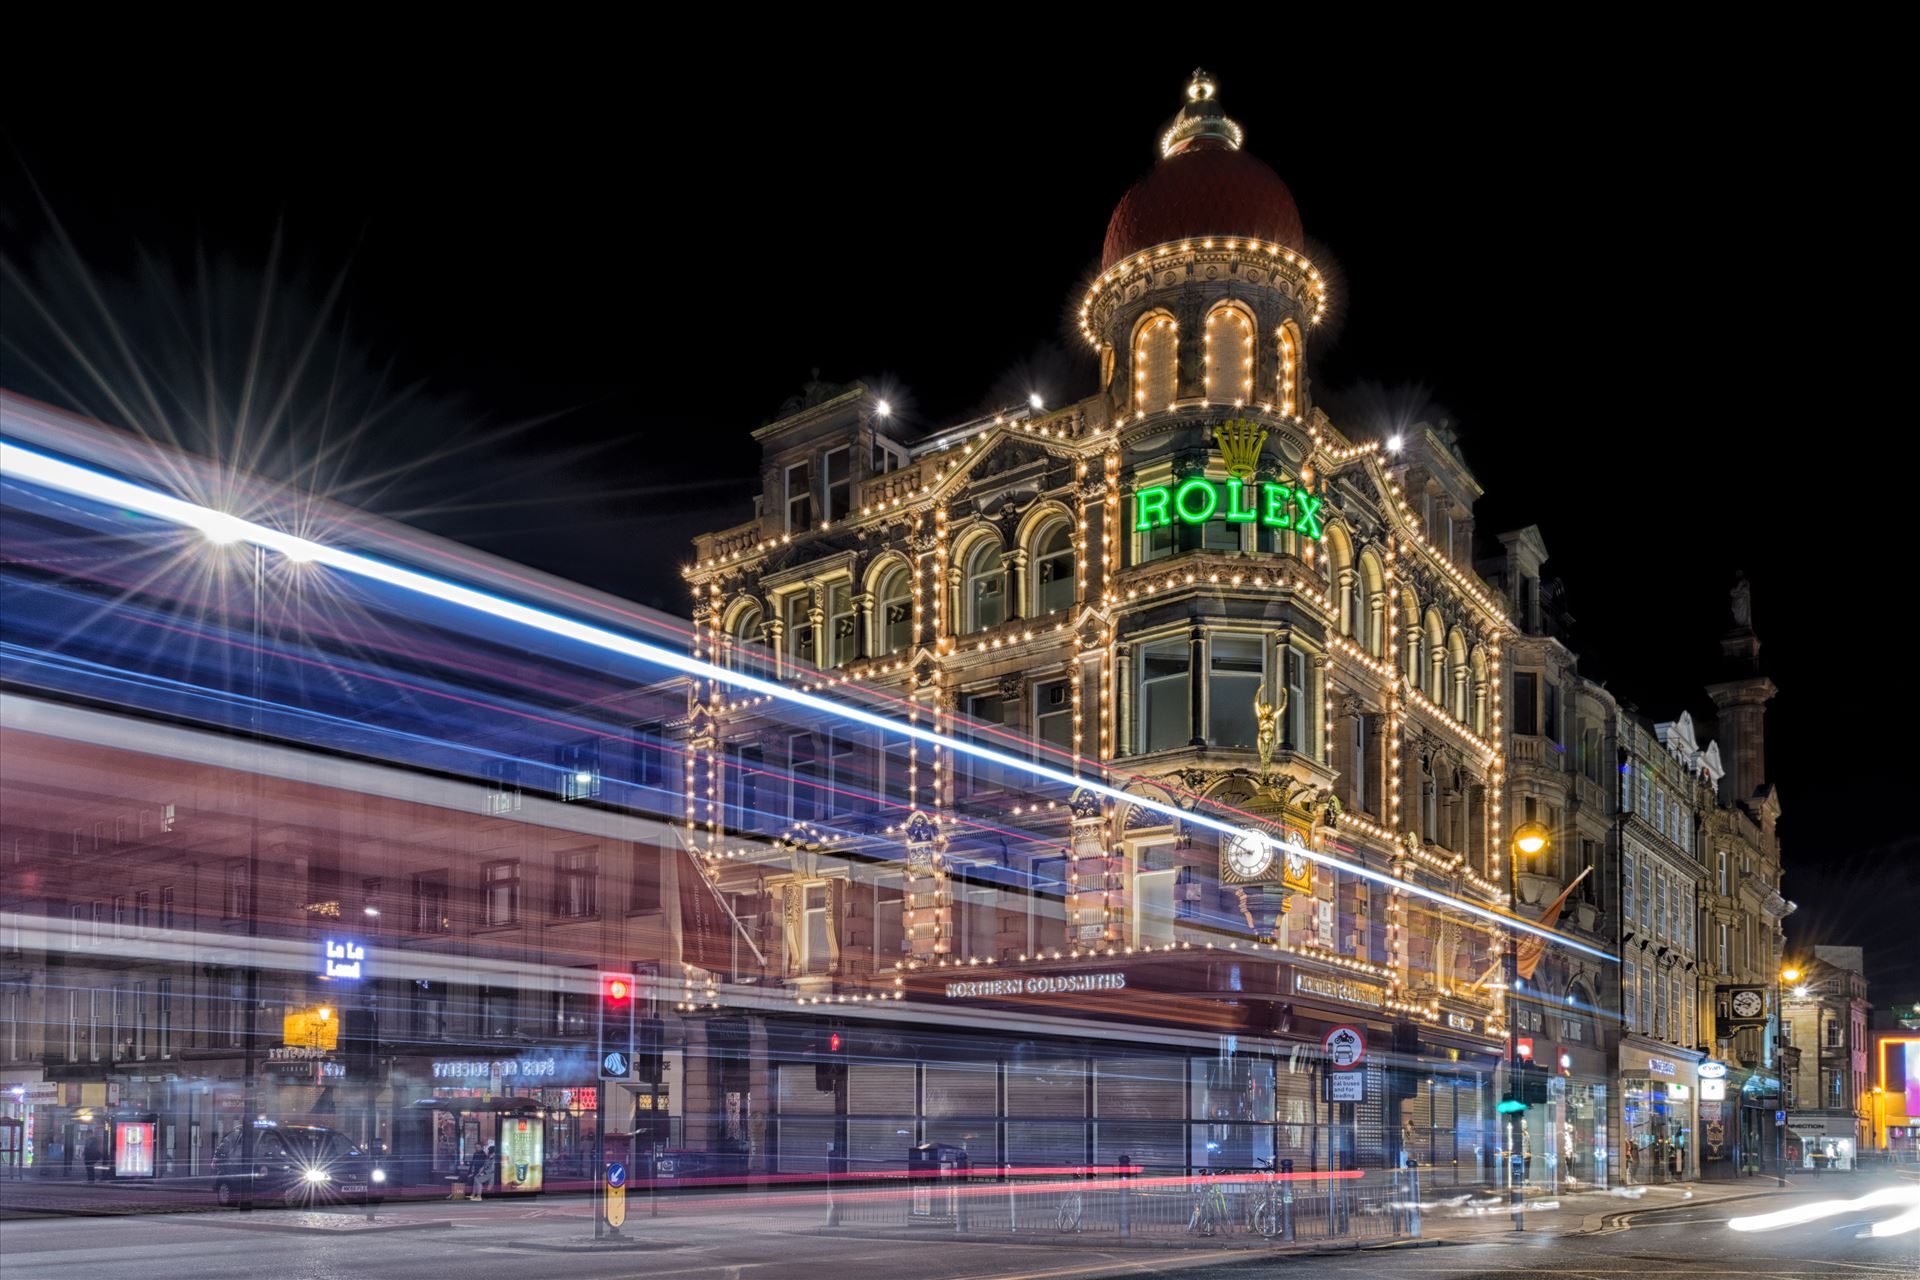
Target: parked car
x,y
296,1165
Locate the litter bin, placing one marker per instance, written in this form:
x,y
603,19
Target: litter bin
x,y
934,1173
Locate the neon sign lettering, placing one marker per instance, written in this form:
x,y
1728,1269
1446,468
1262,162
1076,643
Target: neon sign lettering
x,y
1198,500
344,960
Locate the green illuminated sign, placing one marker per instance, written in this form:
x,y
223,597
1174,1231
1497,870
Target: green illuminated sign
x,y
1198,500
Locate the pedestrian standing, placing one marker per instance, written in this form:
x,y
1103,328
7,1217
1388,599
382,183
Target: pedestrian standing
x,y
94,1153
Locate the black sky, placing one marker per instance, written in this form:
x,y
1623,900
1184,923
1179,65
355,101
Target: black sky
x,y
1649,284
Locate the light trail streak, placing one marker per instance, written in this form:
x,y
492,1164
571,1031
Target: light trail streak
x,y
223,527
1801,1214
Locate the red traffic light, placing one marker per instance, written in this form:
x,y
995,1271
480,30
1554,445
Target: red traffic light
x,y
1524,1047
618,988
833,1043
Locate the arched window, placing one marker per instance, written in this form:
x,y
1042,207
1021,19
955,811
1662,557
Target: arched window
x,y
1229,351
1289,369
745,634
1408,624
893,613
1155,351
1344,582
1457,675
1371,587
985,586
1053,569
1435,682
1477,662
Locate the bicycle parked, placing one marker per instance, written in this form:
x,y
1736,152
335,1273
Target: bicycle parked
x,y
1263,1209
1066,1217
1210,1210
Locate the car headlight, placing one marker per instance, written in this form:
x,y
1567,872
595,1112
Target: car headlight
x,y
379,1175
318,1175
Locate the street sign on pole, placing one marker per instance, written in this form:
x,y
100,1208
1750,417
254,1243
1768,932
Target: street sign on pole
x,y
616,1194
1347,1086
1346,1047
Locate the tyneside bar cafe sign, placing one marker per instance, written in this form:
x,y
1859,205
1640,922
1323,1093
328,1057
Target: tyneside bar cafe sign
x,y
1197,500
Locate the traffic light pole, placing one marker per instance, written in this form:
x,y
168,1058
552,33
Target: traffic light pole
x,y
1515,1193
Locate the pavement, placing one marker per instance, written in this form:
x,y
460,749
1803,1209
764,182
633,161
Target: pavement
x,y
1680,1230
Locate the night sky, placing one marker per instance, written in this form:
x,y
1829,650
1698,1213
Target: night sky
x,y
542,312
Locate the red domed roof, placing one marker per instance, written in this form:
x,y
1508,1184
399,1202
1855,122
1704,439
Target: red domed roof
x,y
1208,189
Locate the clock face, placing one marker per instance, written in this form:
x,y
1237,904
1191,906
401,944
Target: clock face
x,y
1747,1004
1296,863
1248,857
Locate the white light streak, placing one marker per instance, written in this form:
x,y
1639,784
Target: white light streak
x,y
1801,1214
56,473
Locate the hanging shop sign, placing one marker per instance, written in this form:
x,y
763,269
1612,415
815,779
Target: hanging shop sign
x,y
1712,1070
345,961
1342,989
1713,1090
1460,1022
1045,985
1197,500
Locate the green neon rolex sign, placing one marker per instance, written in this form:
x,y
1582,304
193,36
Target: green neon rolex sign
x,y
1198,500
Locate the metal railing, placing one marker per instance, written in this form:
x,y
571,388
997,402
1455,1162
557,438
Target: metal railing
x,y
1247,1207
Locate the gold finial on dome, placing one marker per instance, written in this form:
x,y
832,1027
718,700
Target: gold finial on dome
x,y
1200,120
1240,441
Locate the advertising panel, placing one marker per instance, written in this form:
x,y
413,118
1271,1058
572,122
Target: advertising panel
x,y
132,1149
523,1144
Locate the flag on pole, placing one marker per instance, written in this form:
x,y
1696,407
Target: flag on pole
x,y
1532,946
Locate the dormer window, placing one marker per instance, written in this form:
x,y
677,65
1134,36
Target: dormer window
x,y
799,497
839,472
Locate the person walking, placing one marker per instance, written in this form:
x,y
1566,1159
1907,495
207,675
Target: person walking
x,y
94,1153
482,1174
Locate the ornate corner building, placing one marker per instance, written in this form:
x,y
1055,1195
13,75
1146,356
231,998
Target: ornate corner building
x,y
1197,603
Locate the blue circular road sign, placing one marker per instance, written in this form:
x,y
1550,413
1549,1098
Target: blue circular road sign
x,y
616,1175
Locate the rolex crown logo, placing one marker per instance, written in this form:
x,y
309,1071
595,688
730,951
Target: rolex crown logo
x,y
1240,440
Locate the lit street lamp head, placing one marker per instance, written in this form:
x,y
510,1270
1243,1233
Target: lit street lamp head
x,y
1530,838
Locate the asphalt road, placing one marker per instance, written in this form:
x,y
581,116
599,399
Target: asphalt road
x,y
735,1239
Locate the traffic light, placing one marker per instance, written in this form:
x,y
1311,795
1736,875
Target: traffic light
x,y
649,1046
616,1026
1533,1083
359,1041
830,1067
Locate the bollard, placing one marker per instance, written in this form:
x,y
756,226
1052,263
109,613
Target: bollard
x,y
1286,1202
1413,1198
1126,1198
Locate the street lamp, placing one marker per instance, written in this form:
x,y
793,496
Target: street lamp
x,y
1530,839
1874,1141
1790,975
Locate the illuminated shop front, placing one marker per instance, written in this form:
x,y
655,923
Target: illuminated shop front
x,y
541,1108
1659,1115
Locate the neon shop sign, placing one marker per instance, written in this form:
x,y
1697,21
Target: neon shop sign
x,y
1198,500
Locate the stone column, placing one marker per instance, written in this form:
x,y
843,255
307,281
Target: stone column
x,y
864,640
927,902
1197,686
1015,561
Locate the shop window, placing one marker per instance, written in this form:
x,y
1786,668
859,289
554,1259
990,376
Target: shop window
x,y
430,906
644,892
500,889
819,951
799,497
984,709
799,626
839,473
579,767
893,605
1526,696
840,624
575,884
985,586
1235,670
1053,713
1297,718
503,786
1053,570
1165,709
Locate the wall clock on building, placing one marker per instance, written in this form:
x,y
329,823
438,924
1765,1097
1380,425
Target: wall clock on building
x,y
1247,857
1298,869
1747,1004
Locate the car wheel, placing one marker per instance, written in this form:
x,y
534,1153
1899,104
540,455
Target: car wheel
x,y
223,1192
